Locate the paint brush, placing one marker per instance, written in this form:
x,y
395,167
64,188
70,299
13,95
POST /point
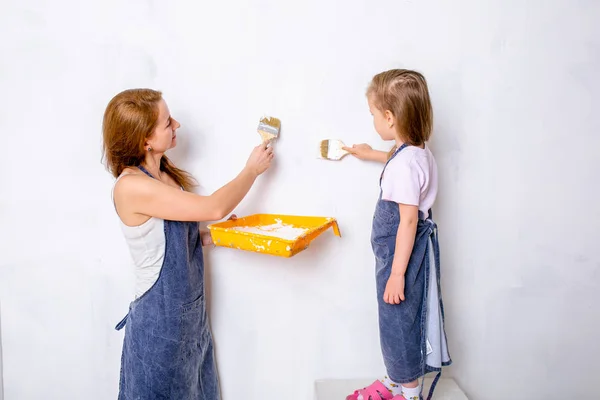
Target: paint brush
x,y
332,149
268,128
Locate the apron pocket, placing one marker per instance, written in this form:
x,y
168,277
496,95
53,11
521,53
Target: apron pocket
x,y
193,318
191,306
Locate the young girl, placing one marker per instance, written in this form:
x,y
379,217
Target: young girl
x,y
404,238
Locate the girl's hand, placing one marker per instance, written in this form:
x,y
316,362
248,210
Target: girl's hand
x,y
260,159
205,234
361,151
394,289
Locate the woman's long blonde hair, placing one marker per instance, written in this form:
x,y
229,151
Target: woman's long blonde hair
x,y
129,120
405,94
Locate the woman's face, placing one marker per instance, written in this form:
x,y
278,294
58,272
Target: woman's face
x,y
164,136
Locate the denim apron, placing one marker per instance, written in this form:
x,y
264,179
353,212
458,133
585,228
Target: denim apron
x,y
412,336
168,349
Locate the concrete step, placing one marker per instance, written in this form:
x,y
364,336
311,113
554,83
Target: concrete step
x,y
338,389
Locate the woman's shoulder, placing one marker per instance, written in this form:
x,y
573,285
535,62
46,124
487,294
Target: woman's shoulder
x,y
131,171
131,179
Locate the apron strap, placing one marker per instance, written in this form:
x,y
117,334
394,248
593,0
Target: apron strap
x,y
122,323
144,170
434,243
433,384
424,217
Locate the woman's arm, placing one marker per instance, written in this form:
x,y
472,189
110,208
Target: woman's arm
x,y
139,194
205,235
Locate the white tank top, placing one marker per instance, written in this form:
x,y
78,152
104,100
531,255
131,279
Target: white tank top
x,y
146,244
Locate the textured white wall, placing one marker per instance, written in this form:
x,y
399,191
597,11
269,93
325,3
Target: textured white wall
x,y
516,138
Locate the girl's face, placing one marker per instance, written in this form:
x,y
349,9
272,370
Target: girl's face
x,y
163,138
383,121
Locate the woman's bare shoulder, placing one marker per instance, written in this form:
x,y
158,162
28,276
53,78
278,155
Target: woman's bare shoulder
x,y
131,180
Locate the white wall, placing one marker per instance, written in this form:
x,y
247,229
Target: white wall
x,y
515,137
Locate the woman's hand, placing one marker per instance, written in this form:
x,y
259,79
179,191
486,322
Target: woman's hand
x,y
394,289
206,238
205,234
260,159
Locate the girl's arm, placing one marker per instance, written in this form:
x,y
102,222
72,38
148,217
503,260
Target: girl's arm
x,y
405,239
366,152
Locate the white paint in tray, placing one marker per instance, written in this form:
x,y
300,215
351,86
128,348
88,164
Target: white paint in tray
x,y
278,229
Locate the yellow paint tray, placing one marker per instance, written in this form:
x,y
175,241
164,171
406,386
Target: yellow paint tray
x,y
247,233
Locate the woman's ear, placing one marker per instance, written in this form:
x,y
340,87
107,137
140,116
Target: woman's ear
x,y
147,145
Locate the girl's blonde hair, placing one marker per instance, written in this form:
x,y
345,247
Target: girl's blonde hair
x,y
129,119
405,94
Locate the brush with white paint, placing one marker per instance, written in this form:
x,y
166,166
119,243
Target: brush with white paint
x,y
332,149
268,129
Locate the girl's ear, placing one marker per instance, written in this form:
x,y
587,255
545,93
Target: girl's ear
x,y
389,118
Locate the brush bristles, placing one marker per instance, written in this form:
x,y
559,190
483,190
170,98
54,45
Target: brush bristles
x,y
324,148
268,128
271,121
270,125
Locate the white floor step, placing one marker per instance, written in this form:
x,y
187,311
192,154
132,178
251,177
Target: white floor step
x,y
338,389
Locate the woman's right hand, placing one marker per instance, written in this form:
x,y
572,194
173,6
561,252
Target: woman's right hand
x,y
260,159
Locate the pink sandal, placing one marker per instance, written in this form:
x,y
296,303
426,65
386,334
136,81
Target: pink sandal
x,y
375,391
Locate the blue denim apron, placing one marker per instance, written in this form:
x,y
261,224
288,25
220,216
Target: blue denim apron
x,y
412,336
168,348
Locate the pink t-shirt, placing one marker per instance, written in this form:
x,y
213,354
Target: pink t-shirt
x,y
411,178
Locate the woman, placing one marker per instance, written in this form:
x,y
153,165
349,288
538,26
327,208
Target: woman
x,y
168,350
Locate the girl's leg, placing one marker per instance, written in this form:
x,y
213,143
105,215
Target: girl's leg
x,y
411,390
